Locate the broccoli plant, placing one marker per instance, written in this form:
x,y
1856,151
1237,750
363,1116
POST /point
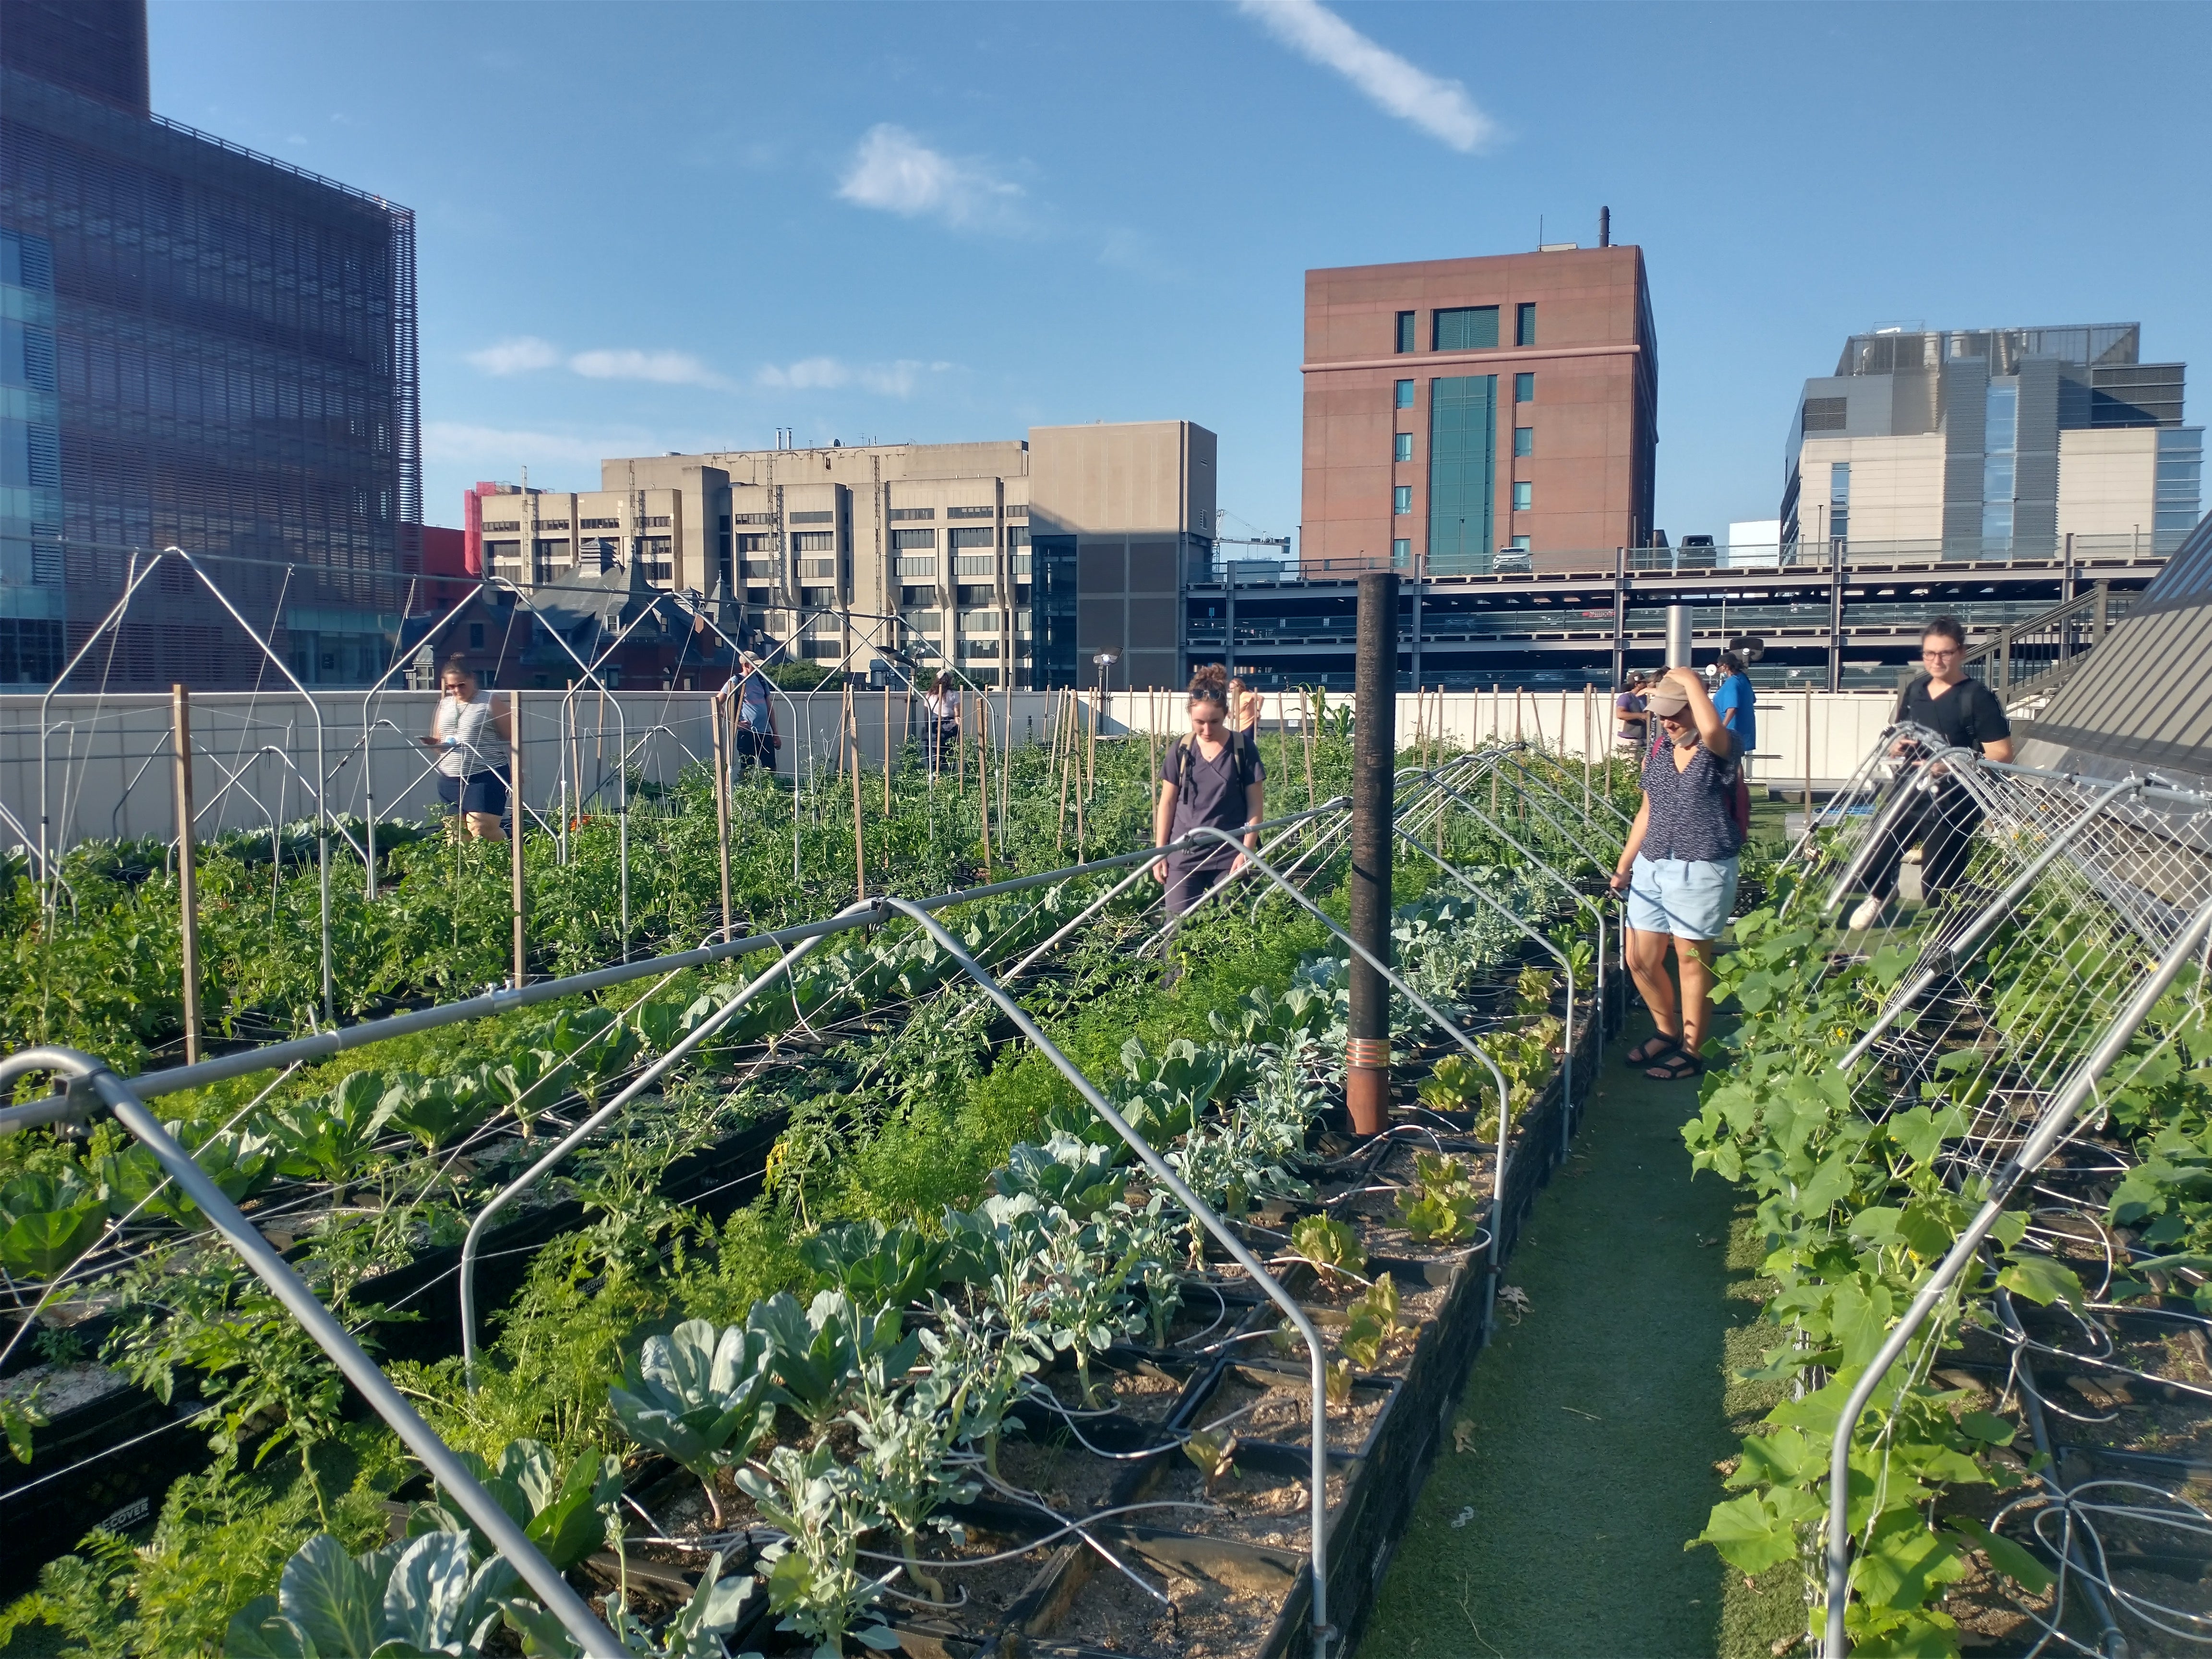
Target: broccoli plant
x,y
818,1356
702,1397
1066,1173
814,1579
877,1267
423,1596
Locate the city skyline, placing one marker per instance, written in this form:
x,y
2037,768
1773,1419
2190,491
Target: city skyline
x,y
715,223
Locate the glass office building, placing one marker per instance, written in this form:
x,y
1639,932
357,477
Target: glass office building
x,y
199,345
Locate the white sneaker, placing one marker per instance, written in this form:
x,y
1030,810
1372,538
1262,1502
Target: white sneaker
x,y
1869,915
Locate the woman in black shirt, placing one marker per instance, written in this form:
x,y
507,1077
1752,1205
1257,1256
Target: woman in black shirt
x,y
1943,817
1211,778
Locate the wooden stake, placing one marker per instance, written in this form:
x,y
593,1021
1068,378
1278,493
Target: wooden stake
x,y
1809,758
960,743
1090,767
188,908
722,746
519,816
1306,741
849,731
983,774
887,750
1060,844
1586,753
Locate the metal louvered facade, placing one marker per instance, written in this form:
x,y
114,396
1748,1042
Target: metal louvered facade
x,y
229,351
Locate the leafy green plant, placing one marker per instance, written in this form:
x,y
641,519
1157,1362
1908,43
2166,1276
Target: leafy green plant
x,y
325,1137
700,1396
566,1514
695,1631
1370,1323
814,1579
1443,1207
904,1473
1330,1246
47,1222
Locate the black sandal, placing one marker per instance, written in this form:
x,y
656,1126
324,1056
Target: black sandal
x,y
1653,1049
1677,1067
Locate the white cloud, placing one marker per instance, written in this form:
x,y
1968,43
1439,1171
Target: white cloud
x,y
455,441
516,357
661,368
1440,108
895,171
892,380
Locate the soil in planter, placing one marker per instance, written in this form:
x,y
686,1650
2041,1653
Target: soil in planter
x,y
1592,1429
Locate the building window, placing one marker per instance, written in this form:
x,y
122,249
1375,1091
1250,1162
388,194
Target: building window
x,y
1465,328
746,518
1520,544
1406,329
1524,323
1825,415
1017,509
971,511
1018,534
1405,394
1401,447
814,541
753,544
900,514
914,565
1401,499
1524,496
1402,552
2180,468
813,517
1524,441
1463,453
904,540
1524,387
2001,413
1839,501
984,537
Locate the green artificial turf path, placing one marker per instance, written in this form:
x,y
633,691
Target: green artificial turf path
x,y
1593,1426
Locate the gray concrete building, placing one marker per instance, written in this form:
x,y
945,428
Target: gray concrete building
x,y
1016,560
1993,445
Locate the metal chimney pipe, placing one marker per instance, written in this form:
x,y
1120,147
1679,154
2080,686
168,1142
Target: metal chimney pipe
x,y
1605,226
1374,762
1678,636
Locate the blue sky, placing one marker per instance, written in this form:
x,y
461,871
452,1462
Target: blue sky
x,y
647,227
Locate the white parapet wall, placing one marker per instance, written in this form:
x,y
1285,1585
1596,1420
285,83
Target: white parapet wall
x,y
107,768
1831,730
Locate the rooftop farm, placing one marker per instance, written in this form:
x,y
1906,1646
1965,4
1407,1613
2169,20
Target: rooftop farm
x,y
853,1326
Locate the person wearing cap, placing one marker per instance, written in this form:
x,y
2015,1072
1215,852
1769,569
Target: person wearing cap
x,y
1634,722
1734,696
755,739
1679,871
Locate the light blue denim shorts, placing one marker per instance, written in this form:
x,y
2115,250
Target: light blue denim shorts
x,y
1690,898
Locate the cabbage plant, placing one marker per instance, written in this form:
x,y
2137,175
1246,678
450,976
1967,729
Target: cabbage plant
x,y
700,1396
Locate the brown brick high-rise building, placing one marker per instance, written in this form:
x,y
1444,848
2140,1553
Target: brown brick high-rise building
x,y
1469,416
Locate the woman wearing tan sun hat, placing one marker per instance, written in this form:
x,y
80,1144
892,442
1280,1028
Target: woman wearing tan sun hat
x,y
1679,869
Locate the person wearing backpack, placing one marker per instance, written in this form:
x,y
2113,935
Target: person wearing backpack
x,y
1679,869
1211,779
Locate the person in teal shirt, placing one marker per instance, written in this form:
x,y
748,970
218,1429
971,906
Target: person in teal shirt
x,y
1738,704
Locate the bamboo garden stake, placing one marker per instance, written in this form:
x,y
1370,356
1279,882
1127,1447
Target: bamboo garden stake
x,y
188,908
519,814
722,801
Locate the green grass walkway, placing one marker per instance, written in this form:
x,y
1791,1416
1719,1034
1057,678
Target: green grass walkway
x,y
1597,1421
